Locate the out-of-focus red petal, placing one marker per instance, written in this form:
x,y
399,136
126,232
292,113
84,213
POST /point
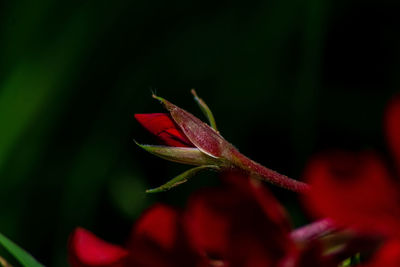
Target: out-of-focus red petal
x,y
388,255
231,224
251,252
257,191
310,255
207,225
158,224
162,126
157,240
354,189
392,125
86,249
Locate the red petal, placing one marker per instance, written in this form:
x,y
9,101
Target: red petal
x,y
158,224
392,125
161,125
355,190
387,256
157,240
258,192
251,252
309,255
86,249
231,224
209,228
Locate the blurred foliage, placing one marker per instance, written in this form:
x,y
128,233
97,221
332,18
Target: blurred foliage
x,y
23,257
284,79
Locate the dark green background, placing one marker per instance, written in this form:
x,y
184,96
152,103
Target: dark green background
x,y
284,78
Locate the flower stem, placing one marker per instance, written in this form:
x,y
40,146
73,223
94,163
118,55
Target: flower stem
x,y
263,173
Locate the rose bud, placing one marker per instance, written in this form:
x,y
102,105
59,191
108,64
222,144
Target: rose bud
x,y
190,141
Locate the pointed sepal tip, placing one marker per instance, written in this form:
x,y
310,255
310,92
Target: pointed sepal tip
x,y
180,179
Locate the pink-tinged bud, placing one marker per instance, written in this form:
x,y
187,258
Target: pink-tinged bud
x,y
199,133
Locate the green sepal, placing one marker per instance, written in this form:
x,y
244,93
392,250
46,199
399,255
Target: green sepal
x,y
180,179
162,100
205,109
185,155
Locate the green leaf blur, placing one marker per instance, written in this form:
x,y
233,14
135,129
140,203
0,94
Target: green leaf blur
x,y
23,257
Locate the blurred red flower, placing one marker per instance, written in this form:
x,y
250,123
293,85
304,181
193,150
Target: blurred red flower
x,y
238,224
359,191
156,241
